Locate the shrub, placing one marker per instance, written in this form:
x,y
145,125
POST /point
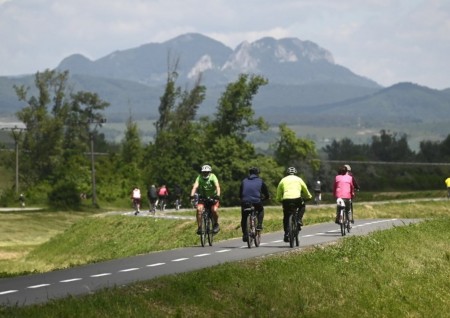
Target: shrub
x,y
64,196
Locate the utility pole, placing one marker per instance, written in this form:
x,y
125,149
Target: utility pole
x,y
96,124
16,133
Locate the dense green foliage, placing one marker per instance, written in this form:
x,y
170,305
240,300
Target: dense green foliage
x,y
61,143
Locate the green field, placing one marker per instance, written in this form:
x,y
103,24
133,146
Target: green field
x,y
401,272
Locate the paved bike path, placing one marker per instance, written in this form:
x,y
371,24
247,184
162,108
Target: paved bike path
x,y
39,288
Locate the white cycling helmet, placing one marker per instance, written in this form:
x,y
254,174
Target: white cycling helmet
x,y
206,170
348,167
291,170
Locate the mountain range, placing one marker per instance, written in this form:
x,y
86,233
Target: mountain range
x,y
305,85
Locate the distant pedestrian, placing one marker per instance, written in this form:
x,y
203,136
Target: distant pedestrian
x,y
22,200
317,192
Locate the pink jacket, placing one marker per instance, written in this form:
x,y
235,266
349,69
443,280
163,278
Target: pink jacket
x,y
343,187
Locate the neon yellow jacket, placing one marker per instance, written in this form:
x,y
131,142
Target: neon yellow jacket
x,y
292,187
447,182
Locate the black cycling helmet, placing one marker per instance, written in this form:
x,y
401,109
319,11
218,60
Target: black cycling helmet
x,y
253,170
291,170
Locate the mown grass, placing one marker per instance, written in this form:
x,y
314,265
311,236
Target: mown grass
x,y
401,272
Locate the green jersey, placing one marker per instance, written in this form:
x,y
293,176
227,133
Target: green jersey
x,y
207,187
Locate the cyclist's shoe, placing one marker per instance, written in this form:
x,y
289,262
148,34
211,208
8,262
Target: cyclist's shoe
x,y
286,238
136,213
259,227
300,222
244,238
352,221
199,231
216,228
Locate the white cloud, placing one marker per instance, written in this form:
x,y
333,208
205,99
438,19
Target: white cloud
x,y
385,40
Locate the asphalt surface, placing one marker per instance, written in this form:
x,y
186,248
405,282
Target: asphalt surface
x,y
39,288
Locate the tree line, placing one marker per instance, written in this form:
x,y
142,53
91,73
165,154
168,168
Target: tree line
x,y
61,129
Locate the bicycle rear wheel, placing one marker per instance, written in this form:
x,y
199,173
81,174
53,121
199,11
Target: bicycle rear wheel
x,y
347,222
257,238
250,231
342,221
292,229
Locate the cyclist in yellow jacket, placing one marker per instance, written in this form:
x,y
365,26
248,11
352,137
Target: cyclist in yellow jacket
x,y
447,183
292,190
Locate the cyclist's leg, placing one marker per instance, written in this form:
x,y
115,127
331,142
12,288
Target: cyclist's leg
x,y
286,215
301,212
244,224
199,217
260,215
351,212
348,207
215,213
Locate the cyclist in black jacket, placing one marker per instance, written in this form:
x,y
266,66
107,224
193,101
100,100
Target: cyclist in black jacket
x,y
253,191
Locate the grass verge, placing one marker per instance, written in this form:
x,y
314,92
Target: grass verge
x,y
401,272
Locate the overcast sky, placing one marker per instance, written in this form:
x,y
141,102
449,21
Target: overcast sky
x,y
388,41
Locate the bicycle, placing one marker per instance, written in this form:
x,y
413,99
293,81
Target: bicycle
x,y
253,234
294,226
207,222
344,217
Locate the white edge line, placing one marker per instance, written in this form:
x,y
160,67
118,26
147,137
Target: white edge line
x,y
179,259
201,255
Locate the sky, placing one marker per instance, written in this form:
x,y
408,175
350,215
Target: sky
x,y
388,41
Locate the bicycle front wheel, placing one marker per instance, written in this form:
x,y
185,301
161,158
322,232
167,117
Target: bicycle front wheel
x,y
209,230
204,227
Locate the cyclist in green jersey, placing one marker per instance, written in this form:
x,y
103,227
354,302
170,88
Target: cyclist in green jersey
x,y
207,186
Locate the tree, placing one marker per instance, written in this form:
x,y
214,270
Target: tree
x,y
388,147
292,151
235,115
57,130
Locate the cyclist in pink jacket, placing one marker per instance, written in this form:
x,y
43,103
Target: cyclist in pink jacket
x,y
343,188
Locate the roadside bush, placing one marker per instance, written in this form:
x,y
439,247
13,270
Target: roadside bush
x,y
64,196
